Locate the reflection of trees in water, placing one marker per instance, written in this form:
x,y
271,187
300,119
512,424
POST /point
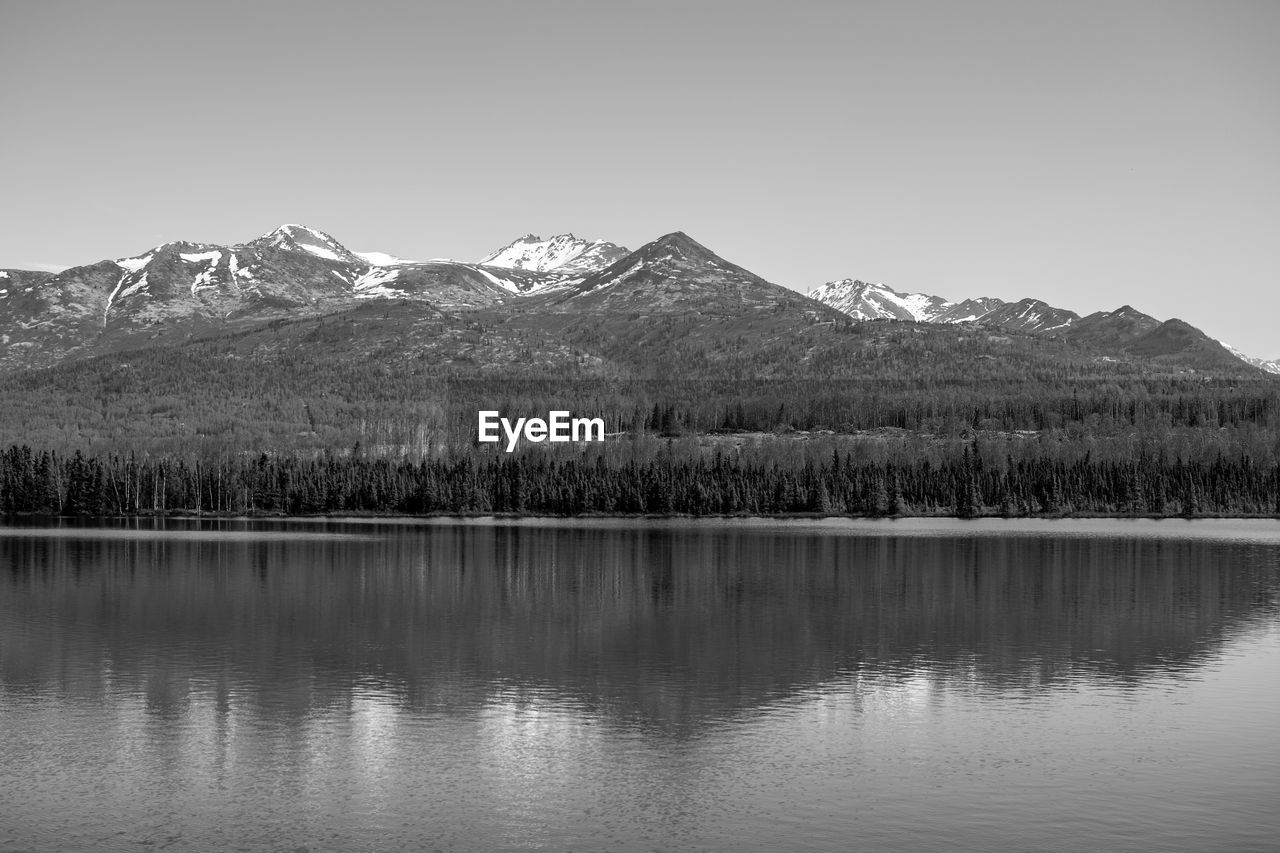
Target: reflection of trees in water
x,y
668,626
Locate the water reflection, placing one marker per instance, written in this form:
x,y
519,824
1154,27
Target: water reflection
x,y
625,687
664,628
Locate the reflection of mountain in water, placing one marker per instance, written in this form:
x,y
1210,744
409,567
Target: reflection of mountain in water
x,y
665,627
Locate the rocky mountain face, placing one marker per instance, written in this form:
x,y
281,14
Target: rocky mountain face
x,y
1123,331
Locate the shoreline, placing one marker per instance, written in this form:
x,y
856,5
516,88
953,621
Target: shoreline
x,y
1260,530
192,515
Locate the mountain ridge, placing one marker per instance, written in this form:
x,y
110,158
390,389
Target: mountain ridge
x,y
182,289
1124,329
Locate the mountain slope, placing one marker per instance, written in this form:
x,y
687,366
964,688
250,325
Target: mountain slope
x,y
14,280
50,317
1030,316
676,274
1179,342
392,372
1111,329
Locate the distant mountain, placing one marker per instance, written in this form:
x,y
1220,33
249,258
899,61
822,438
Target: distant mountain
x,y
1124,331
866,301
1132,332
1269,365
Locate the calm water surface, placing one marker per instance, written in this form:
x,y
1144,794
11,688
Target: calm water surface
x,y
334,686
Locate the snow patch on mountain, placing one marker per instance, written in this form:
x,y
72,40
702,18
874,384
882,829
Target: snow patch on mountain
x,y
919,305
531,252
382,259
374,283
205,279
873,301
320,252
562,253
134,288
621,277
135,264
111,298
500,282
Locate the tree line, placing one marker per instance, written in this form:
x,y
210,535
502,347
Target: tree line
x,y
970,483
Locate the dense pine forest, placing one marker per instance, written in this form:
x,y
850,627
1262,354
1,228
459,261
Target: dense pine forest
x,y
672,480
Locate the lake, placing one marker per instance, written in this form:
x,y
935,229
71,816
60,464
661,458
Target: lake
x,y
640,685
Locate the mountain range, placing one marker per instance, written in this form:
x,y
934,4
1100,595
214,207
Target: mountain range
x,y
1125,328
181,289
671,299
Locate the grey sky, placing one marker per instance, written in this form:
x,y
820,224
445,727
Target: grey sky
x,y
1088,153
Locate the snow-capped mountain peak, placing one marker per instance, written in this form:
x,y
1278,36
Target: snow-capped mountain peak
x,y
531,252
294,232
563,253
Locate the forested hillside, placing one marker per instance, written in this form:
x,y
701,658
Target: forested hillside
x,y
405,378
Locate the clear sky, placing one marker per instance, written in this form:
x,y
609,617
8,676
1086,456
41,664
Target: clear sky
x,y
1090,154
